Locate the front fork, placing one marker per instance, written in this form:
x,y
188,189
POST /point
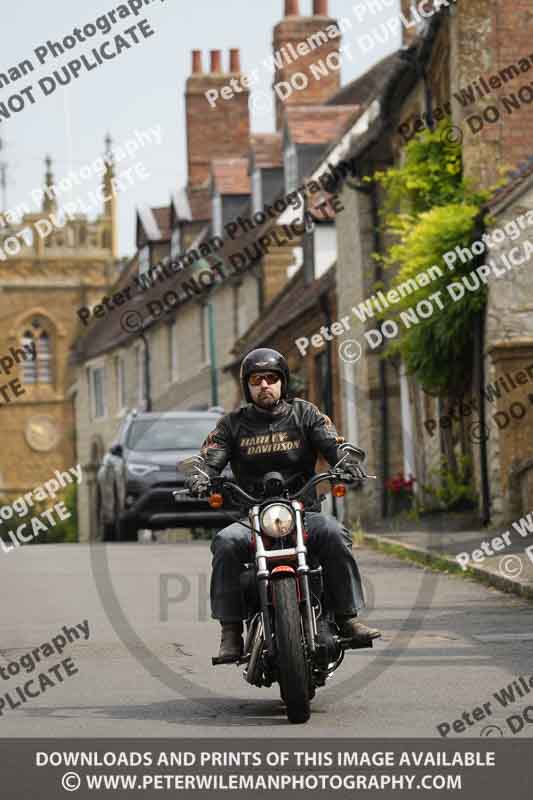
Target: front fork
x,y
302,571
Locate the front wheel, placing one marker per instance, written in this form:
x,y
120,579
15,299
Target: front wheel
x,y
293,671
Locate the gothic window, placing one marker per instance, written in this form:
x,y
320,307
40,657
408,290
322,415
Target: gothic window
x,y
37,345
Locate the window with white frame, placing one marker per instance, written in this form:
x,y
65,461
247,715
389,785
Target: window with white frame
x,y
175,243
172,350
97,387
257,194
217,214
120,383
140,374
291,168
144,259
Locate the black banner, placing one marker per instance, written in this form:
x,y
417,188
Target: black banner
x,y
198,768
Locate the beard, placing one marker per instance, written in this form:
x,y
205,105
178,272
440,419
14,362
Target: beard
x,y
266,400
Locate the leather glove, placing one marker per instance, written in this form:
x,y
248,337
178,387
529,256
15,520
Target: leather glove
x,y
354,470
351,462
198,485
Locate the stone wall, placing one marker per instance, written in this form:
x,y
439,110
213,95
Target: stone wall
x,y
509,352
355,283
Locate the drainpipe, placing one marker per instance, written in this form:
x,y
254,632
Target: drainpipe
x,y
378,276
483,458
421,71
382,366
479,354
147,385
324,307
212,353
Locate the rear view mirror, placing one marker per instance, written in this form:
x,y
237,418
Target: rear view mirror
x,y
116,450
191,465
351,450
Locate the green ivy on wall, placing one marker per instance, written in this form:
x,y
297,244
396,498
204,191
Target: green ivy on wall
x,y
430,208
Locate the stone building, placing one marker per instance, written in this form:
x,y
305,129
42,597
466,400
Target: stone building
x,y
177,357
438,74
50,264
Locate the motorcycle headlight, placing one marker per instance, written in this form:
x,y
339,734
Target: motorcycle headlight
x,y
277,521
140,470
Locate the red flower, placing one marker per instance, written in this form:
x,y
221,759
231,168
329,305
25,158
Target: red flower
x,y
400,483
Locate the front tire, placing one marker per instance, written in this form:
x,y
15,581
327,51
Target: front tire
x,y
293,671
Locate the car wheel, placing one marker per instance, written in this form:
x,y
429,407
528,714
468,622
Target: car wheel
x,y
107,528
124,531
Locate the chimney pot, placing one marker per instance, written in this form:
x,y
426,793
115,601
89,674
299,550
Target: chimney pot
x,y
320,8
291,8
216,61
235,60
196,61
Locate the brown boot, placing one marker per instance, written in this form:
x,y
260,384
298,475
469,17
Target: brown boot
x,y
351,628
231,644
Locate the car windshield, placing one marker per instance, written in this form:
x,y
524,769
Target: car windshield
x,y
169,434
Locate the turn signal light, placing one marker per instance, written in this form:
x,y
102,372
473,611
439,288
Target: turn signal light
x,y
338,490
216,500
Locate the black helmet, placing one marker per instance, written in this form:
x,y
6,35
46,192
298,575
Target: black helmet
x,y
264,360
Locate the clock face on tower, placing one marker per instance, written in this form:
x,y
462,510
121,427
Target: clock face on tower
x,y
42,433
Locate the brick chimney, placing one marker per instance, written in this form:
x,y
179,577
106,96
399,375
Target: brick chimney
x,y
291,8
218,131
320,8
293,30
234,61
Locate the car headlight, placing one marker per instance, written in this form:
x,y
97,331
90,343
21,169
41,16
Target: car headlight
x,y
277,521
140,470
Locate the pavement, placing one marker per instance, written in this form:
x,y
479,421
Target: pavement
x,y
448,646
502,557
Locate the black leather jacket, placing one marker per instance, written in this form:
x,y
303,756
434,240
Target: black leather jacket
x,y
287,440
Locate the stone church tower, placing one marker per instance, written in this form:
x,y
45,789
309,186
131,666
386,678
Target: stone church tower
x,y
51,263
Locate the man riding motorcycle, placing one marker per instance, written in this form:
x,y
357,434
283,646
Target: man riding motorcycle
x,y
270,434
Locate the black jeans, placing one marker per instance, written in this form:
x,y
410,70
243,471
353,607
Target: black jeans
x,y
328,540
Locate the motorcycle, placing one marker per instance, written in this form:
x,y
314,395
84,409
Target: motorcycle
x,y
290,635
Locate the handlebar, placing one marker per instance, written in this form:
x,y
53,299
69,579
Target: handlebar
x,y
219,483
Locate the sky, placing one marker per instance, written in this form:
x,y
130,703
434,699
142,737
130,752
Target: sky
x,y
140,89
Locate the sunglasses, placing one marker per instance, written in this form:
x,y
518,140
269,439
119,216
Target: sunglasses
x,y
269,377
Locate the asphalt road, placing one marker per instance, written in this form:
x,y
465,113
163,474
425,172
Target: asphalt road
x,y
145,669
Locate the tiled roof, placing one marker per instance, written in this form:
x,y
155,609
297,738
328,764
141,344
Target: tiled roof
x,y
293,301
318,124
230,175
516,178
267,149
148,225
162,217
180,206
363,89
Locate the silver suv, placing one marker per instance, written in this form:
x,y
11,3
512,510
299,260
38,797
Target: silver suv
x,y
138,475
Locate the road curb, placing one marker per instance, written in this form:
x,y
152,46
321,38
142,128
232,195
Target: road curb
x,y
444,563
